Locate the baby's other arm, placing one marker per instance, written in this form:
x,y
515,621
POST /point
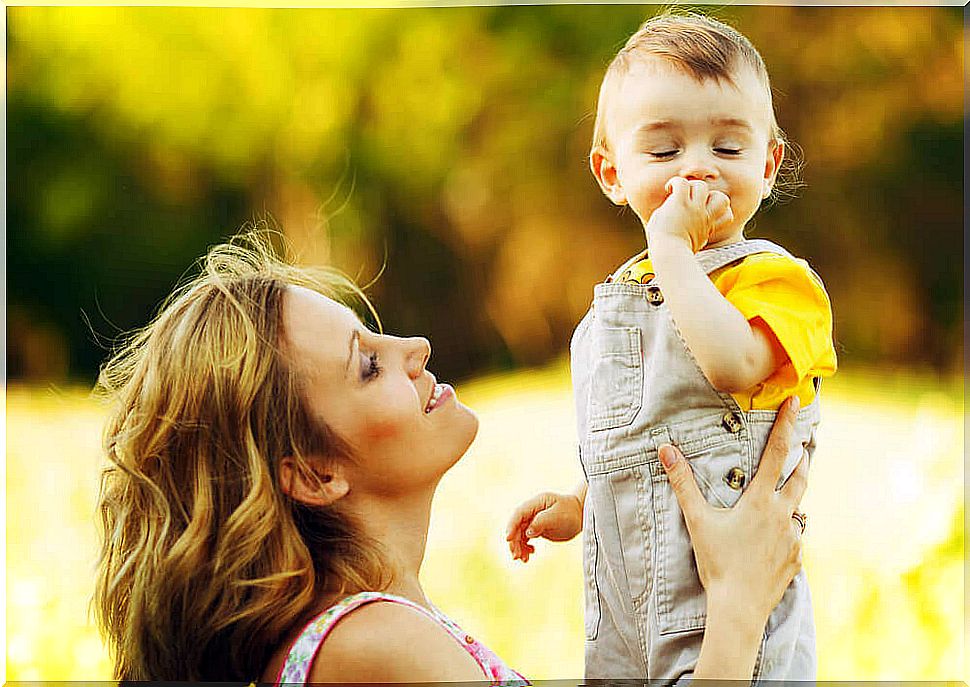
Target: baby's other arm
x,y
733,353
556,517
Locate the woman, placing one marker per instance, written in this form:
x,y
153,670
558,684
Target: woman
x,y
273,463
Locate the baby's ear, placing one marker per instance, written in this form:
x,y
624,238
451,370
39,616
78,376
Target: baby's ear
x,y
323,487
601,163
776,153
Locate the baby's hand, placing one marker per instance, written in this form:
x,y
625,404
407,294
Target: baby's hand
x,y
692,213
556,517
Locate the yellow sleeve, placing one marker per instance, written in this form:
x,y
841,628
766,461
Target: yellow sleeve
x,y
790,299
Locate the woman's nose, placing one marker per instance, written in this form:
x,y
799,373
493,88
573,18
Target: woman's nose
x,y
418,350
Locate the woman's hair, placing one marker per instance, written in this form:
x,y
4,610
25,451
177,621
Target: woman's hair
x,y
206,564
703,48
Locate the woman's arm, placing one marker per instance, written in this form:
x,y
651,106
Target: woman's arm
x,y
746,555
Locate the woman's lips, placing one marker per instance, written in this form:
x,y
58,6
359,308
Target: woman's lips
x,y
442,392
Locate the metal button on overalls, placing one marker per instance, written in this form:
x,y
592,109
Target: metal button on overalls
x,y
731,423
654,297
735,478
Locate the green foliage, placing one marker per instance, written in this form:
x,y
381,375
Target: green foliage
x,y
450,144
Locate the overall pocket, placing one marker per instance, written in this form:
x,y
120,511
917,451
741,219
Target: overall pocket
x,y
616,383
681,601
620,500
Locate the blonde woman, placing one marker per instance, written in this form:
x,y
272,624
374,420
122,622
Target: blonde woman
x,y
272,467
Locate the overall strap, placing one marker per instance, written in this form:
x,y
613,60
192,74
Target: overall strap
x,y
715,258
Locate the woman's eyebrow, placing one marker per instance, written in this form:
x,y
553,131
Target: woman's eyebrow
x,y
354,344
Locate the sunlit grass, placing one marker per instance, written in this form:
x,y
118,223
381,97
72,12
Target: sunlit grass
x,y
884,549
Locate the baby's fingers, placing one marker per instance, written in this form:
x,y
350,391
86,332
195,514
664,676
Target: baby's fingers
x,y
717,203
678,186
541,523
522,515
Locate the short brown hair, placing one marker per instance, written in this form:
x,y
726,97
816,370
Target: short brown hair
x,y
702,47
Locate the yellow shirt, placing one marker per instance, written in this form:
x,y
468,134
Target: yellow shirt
x,y
789,299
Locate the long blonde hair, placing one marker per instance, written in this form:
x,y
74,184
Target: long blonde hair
x,y
206,564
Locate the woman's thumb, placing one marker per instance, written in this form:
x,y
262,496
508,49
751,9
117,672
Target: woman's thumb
x,y
681,479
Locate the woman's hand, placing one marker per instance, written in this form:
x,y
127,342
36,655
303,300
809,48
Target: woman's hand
x,y
746,555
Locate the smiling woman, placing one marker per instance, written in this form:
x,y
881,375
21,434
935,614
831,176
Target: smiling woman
x,y
272,467
272,456
407,428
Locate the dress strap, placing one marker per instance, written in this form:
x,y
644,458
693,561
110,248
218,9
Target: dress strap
x,y
296,667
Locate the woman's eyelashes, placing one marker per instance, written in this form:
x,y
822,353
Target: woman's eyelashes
x,y
372,368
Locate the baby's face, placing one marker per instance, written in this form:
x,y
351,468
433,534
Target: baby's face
x,y
663,123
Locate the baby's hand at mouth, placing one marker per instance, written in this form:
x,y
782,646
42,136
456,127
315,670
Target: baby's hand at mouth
x,y
691,213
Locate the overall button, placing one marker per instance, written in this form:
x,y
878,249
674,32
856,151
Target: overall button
x,y
732,423
469,640
654,296
735,478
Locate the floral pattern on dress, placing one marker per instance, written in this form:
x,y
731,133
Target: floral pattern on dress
x,y
296,668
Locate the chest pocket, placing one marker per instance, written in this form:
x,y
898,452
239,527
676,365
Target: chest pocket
x,y
616,383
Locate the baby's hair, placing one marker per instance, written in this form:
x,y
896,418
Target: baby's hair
x,y
704,48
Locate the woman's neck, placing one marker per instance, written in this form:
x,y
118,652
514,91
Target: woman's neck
x,y
400,527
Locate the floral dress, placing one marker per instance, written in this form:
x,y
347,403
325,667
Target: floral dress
x,y
296,667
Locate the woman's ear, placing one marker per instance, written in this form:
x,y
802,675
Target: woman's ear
x,y
323,488
605,172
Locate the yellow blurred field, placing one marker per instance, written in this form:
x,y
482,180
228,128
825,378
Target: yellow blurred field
x,y
884,549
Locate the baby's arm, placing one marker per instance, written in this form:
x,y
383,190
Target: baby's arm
x,y
556,517
733,353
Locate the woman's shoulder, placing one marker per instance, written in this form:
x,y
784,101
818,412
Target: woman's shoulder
x,y
385,641
376,638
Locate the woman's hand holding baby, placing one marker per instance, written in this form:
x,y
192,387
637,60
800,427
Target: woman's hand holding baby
x,y
746,555
556,517
691,213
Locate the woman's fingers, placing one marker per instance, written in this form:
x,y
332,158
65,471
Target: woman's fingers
x,y
776,450
682,482
795,487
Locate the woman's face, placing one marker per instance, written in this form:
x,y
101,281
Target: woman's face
x,y
374,392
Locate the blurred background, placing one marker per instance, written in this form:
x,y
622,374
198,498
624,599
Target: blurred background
x,y
445,149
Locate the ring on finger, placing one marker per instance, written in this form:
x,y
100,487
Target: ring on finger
x,y
801,519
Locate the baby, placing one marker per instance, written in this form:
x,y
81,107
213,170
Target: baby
x,y
694,344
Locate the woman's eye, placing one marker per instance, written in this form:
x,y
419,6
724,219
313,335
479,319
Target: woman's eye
x,y
372,369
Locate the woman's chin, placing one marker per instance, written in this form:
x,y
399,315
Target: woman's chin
x,y
472,424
